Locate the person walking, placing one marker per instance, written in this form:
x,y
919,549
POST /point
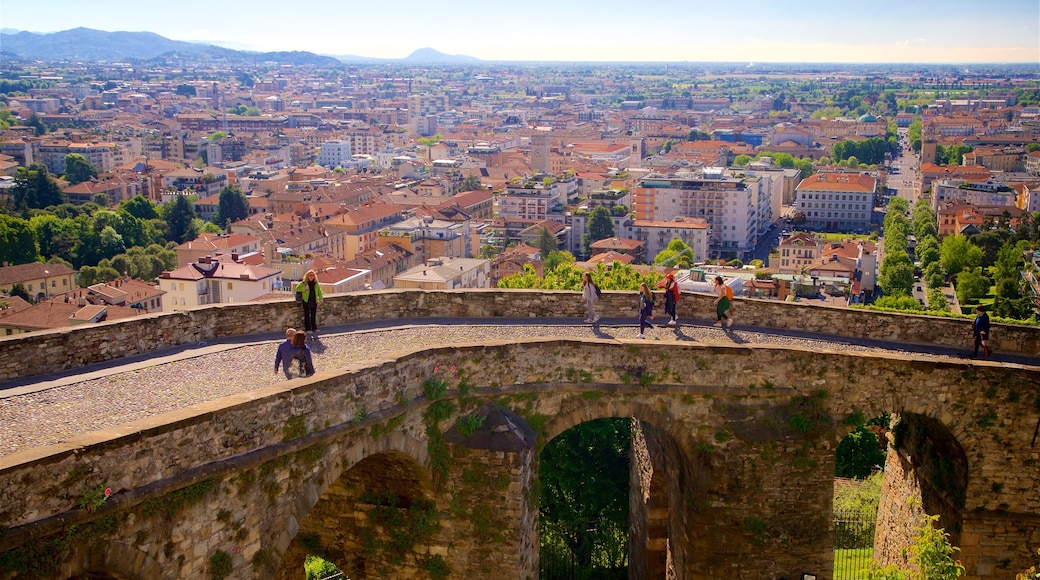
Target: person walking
x,y
646,308
722,302
310,291
590,294
671,298
980,328
294,349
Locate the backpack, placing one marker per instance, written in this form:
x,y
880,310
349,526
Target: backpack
x,y
729,292
596,288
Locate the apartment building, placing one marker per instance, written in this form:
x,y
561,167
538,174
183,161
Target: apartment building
x,y
731,206
839,201
981,193
335,153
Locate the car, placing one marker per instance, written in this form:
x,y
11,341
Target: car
x,y
919,289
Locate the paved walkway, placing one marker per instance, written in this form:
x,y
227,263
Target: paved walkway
x,y
49,409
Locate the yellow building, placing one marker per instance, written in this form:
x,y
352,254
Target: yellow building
x,y
41,281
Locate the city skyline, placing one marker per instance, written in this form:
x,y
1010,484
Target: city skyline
x,y
955,31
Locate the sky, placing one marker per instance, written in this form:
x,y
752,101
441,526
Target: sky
x,y
896,31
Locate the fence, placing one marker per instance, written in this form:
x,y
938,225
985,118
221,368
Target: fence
x,y
853,543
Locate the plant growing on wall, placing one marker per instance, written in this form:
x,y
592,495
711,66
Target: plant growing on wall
x,y
93,498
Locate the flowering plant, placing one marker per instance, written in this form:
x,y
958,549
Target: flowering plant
x,y
91,499
436,384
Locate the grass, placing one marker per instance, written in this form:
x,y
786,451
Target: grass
x,y
850,564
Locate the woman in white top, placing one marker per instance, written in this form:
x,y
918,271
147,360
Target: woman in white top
x,y
589,295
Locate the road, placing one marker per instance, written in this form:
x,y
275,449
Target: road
x,y
903,177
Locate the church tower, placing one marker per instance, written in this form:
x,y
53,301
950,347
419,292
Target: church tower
x,y
929,139
540,142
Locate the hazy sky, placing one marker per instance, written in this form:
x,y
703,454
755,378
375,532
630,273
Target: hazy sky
x,y
955,31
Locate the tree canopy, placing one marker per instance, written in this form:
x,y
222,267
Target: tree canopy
x,y
78,169
232,205
34,188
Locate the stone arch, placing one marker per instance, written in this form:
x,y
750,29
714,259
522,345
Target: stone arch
x,y
657,516
111,560
326,521
926,472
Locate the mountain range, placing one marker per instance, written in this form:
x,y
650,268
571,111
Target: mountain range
x,y
89,45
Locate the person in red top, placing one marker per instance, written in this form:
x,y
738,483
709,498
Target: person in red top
x,y
671,298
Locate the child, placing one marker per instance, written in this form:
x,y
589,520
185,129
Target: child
x,y
646,308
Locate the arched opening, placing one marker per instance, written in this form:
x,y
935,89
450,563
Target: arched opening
x,y
605,502
926,474
368,521
583,524
859,469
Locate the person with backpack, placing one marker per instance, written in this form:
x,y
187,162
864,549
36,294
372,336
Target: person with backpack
x,y
590,294
722,302
646,308
671,298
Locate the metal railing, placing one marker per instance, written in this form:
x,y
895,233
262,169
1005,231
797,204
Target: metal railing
x,y
853,543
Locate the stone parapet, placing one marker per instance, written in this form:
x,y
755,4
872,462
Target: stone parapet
x,y
69,348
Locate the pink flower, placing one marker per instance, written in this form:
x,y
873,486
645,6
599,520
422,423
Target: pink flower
x,y
436,369
108,491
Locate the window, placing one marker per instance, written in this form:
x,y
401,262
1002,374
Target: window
x,y
64,281
30,287
54,283
229,285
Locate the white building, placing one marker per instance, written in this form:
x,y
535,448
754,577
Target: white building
x,y
732,205
335,153
215,280
839,201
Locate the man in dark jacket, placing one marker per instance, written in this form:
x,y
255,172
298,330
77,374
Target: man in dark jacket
x,y
980,327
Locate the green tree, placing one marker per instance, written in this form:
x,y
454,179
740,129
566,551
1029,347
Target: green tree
x,y
678,254
896,276
927,250
599,227
38,127
33,188
934,275
140,207
318,568
180,215
971,285
56,237
17,241
741,160
898,302
471,183
18,289
78,169
956,254
232,206
555,258
584,474
857,454
933,555
546,242
487,251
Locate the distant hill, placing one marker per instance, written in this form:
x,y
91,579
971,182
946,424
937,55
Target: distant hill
x,y
96,45
431,56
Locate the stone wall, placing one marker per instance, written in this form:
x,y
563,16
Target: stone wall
x,y
752,431
146,335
